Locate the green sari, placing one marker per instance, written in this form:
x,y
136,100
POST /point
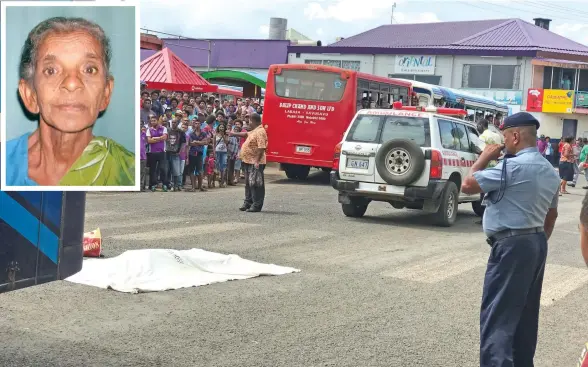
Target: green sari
x,y
103,163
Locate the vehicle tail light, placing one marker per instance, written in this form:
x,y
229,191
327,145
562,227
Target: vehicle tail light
x,y
336,157
436,170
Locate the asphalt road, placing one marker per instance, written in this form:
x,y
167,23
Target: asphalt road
x,y
386,290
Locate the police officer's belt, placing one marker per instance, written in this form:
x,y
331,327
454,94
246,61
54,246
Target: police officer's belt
x,y
512,232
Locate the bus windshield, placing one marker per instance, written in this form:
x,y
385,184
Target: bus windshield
x,y
310,85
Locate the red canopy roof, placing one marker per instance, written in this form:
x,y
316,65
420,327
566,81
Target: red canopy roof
x,y
165,70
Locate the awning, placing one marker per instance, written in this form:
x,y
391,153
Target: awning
x,y
165,70
557,63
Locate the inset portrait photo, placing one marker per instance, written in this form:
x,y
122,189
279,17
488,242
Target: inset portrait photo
x,y
70,96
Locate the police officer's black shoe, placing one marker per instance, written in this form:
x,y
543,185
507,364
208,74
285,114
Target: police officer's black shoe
x,y
244,208
571,184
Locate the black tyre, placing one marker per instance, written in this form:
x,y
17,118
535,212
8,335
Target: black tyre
x,y
290,172
354,210
447,213
302,172
400,162
478,208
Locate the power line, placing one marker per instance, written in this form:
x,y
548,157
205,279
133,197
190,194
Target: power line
x,y
524,10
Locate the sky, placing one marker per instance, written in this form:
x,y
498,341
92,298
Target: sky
x,y
326,20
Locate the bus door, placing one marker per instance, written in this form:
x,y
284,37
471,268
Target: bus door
x,y
41,236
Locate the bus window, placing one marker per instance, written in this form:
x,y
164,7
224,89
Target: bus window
x,y
310,85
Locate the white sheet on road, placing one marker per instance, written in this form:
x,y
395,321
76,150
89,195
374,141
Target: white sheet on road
x,y
155,270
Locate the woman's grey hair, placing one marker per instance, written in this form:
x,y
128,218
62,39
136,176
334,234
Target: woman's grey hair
x,y
62,25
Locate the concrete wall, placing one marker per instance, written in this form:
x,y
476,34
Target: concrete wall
x,y
552,124
450,68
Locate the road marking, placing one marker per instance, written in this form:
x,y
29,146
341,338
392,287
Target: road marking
x,y
439,267
105,213
177,232
125,223
559,281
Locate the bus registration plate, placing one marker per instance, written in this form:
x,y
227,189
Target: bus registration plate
x,y
358,163
302,149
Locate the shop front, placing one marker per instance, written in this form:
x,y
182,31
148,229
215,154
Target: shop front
x,y
561,112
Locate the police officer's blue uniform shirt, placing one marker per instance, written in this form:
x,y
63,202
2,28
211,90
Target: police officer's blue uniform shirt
x,y
532,187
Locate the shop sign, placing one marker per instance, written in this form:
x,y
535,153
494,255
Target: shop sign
x,y
535,100
510,97
558,101
415,64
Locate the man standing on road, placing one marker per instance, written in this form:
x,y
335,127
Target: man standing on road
x,y
253,161
519,219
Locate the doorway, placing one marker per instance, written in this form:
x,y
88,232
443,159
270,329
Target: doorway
x,y
570,128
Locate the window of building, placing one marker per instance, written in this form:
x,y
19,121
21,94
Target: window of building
x,y
335,63
345,64
559,78
491,76
429,79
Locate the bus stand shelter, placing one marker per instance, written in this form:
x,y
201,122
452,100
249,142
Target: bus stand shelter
x,y
165,70
252,83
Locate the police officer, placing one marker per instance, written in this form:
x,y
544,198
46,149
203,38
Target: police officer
x,y
521,210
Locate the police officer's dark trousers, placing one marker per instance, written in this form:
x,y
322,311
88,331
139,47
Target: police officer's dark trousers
x,y
509,314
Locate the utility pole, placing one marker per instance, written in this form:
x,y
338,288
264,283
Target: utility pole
x,y
392,16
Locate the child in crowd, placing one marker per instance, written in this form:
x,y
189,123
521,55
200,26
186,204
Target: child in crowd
x,y
210,168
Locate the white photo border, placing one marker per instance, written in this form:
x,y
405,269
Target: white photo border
x,y
102,3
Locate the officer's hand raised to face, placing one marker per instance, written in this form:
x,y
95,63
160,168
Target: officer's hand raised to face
x,y
492,151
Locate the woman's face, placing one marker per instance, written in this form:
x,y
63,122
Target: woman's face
x,y
221,128
70,85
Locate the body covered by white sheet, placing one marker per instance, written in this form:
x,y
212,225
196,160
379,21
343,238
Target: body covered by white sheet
x,y
154,270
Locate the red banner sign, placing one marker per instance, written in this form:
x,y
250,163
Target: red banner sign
x,y
534,100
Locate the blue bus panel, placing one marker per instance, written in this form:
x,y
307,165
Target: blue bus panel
x,y
41,236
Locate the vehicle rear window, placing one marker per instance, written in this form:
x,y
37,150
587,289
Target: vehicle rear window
x,y
312,85
379,129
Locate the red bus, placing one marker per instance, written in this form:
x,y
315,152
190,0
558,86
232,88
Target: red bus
x,y
308,108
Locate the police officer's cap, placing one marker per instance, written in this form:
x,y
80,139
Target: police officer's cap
x,y
519,119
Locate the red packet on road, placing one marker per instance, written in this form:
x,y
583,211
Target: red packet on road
x,y
583,361
93,243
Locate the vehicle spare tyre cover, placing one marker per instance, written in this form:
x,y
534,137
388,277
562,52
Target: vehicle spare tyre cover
x,y
400,162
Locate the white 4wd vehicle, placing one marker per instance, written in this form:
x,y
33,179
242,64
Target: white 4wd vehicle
x,y
410,159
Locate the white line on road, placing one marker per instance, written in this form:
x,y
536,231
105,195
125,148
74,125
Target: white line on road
x,y
559,281
440,267
122,223
177,232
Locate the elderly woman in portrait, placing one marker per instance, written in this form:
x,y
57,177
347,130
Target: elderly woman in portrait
x,y
65,81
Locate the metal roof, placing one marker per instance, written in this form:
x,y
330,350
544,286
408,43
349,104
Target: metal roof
x,y
167,68
228,53
497,36
240,75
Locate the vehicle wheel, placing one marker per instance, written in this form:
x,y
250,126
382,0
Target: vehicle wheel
x,y
354,210
447,213
290,172
302,172
400,162
478,208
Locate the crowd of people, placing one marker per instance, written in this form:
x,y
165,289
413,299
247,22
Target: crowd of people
x,y
570,155
193,140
